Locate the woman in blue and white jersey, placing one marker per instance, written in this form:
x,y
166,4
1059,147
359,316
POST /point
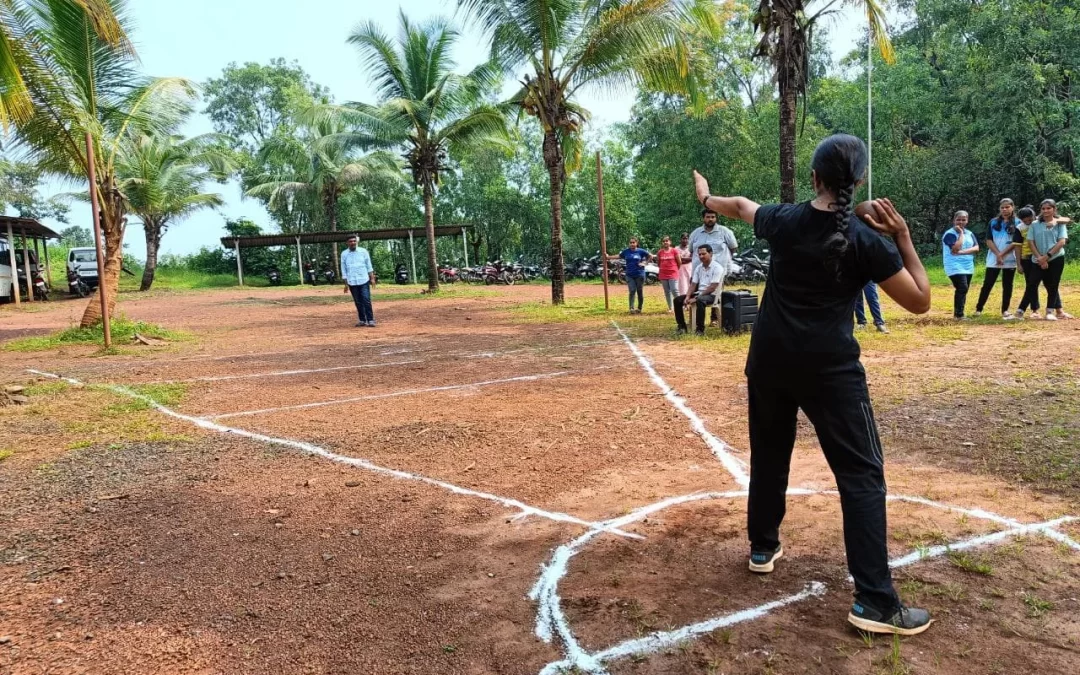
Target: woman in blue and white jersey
x,y
1001,258
958,249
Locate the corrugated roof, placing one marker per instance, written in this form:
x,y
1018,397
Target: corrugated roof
x,y
32,227
258,240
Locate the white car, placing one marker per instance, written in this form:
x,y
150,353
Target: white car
x,y
83,262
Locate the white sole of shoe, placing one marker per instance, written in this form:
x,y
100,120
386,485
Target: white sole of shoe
x,y
767,567
868,626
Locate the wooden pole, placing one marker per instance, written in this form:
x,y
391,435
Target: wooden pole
x,y
412,251
465,246
603,228
299,262
48,268
14,267
239,264
106,326
26,267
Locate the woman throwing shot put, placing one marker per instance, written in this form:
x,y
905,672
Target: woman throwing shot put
x,y
803,355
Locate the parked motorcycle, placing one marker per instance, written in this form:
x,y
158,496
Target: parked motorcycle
x,y
309,273
329,272
401,274
41,289
749,267
448,274
76,286
274,276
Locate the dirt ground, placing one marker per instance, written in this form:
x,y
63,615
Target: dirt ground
x,y
321,498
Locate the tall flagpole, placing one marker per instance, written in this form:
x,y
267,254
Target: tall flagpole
x,y
869,108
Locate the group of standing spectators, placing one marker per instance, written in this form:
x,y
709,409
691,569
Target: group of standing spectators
x,y
692,272
1033,243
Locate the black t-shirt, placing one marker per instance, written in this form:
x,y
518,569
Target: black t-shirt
x,y
805,321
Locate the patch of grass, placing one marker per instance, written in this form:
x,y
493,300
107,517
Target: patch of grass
x,y
46,388
183,279
167,394
5,453
911,589
970,563
894,662
574,309
122,331
79,445
1037,607
954,592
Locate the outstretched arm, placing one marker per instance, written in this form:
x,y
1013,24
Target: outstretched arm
x,y
910,287
731,207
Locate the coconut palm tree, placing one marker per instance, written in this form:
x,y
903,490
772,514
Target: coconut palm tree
x,y
317,172
19,56
424,107
570,44
786,32
162,178
81,85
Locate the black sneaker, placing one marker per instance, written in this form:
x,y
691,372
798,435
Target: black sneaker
x,y
680,331
763,562
699,333
904,621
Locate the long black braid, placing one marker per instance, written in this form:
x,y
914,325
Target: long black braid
x,y
839,163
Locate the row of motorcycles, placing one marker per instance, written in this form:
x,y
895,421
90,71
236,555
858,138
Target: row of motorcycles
x,y
494,272
314,273
747,266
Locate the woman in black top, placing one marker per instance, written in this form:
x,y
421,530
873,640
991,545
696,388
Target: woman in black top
x,y
803,354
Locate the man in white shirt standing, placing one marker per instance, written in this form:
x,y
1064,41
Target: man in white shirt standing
x,y
723,245
719,237
705,284
359,275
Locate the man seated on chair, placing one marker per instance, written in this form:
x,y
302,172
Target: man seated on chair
x,y
705,285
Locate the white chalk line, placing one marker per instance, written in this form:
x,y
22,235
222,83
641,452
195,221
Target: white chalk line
x,y
311,371
719,448
406,392
284,373
310,448
551,619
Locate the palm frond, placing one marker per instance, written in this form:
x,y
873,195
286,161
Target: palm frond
x,y
378,56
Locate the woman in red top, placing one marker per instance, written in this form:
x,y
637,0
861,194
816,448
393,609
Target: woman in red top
x,y
670,258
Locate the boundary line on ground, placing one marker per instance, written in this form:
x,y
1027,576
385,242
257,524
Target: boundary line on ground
x,y
312,449
719,448
406,392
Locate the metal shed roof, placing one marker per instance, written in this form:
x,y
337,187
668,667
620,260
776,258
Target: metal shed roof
x,y
341,235
31,227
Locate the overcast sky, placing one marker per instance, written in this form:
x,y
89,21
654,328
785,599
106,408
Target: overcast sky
x,y
197,38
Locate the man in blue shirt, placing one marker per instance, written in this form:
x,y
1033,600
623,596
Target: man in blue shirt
x,y
359,274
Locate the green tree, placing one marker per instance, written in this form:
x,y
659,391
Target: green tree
x,y
162,178
424,107
83,84
21,57
19,182
254,103
76,237
570,44
787,30
316,170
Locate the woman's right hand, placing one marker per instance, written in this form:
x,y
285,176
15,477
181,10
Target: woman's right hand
x,y
888,221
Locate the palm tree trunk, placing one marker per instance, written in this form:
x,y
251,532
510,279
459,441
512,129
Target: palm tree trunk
x,y
153,243
112,226
788,115
429,229
789,99
553,159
